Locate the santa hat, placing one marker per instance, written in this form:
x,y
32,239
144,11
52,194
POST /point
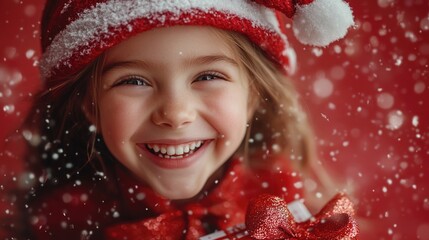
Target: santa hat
x,y
74,33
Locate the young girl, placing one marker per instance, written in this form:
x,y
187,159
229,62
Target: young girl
x,y
162,119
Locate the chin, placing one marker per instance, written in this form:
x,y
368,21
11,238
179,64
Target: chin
x,y
178,191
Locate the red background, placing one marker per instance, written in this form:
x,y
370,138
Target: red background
x,y
367,95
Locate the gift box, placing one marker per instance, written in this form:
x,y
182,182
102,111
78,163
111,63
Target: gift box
x,y
235,232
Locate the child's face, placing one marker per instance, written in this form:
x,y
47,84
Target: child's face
x,y
174,105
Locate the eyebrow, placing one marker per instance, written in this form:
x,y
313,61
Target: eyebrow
x,y
202,60
123,64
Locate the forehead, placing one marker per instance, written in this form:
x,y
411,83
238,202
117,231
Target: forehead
x,y
162,44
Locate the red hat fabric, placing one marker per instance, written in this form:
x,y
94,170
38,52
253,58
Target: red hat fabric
x,y
75,32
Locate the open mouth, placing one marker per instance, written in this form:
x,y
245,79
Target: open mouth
x,y
174,151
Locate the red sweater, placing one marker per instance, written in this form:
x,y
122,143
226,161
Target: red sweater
x,y
88,209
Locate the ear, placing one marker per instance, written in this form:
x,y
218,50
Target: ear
x,y
89,109
253,103
89,104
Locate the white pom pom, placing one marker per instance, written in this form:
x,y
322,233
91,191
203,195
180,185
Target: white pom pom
x,y
322,21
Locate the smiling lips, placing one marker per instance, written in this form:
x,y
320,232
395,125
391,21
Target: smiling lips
x,y
174,151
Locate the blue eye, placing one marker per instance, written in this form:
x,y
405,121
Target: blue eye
x,y
137,81
209,76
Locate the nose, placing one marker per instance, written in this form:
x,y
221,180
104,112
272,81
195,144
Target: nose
x,y
174,111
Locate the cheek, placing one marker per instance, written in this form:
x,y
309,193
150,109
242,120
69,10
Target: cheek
x,y
229,113
118,118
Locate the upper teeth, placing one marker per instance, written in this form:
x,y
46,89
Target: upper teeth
x,y
175,149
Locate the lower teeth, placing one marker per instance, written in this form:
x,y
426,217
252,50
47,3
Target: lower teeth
x,y
175,156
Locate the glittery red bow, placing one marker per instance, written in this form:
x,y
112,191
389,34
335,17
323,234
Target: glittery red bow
x,y
269,218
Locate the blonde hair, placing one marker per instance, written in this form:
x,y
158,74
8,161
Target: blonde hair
x,y
279,126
